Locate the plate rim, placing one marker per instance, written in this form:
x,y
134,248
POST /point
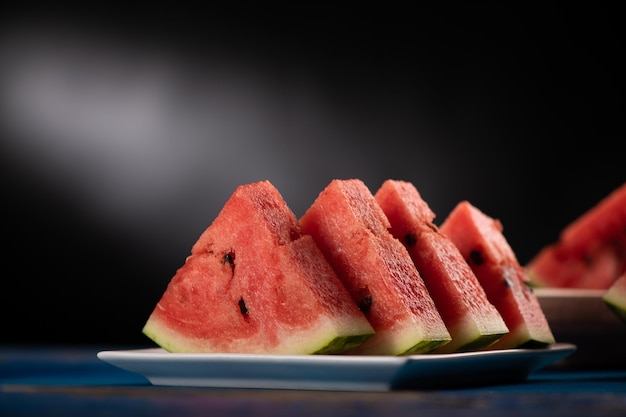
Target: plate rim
x,y
333,372
151,353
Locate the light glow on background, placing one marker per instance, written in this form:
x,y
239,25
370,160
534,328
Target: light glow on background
x,y
135,133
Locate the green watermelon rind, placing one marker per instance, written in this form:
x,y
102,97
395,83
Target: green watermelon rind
x,y
425,346
482,341
478,341
331,340
470,337
333,344
619,310
342,344
407,339
533,344
615,300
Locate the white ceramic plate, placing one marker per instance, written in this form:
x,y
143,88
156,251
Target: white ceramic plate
x,y
335,372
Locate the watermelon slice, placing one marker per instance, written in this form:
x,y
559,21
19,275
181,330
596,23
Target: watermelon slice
x,y
352,231
555,267
615,297
254,284
590,252
480,240
605,222
473,322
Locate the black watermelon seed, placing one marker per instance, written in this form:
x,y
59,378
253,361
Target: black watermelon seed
x,y
477,257
229,258
365,304
242,306
410,239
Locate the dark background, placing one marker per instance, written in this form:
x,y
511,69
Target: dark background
x,y
123,132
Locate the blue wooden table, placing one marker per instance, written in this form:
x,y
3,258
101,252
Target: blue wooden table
x,y
72,381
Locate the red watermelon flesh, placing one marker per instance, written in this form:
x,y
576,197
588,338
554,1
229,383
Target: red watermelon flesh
x,y
483,245
352,231
473,322
605,222
590,252
555,267
254,284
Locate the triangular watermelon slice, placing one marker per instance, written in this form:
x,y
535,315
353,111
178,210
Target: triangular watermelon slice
x,y
554,266
255,284
605,222
480,240
591,250
473,322
352,231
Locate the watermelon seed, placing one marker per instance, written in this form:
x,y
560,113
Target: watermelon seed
x,y
477,257
242,306
365,304
410,239
507,281
230,259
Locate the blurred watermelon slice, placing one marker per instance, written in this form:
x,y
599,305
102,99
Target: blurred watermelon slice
x,y
590,252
